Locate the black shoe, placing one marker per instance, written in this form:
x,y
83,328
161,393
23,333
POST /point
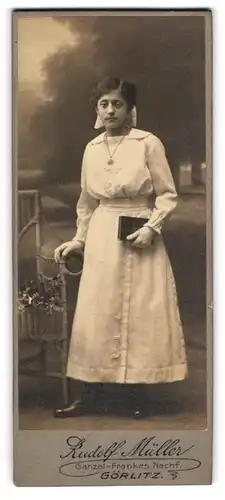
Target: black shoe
x,y
75,409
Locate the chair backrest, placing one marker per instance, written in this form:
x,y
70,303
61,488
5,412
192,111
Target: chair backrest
x,y
35,323
29,215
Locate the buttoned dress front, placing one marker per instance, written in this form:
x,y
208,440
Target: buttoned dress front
x,y
126,326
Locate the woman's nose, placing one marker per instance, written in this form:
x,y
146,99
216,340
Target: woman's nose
x,y
110,109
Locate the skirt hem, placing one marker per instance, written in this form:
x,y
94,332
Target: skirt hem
x,y
161,375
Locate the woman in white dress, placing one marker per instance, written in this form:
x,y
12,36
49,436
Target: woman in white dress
x,y
127,327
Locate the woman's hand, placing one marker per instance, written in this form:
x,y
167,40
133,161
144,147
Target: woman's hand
x,y
65,248
142,238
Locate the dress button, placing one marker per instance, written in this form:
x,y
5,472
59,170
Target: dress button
x,y
115,356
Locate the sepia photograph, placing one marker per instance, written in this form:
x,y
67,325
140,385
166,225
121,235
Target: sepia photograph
x,y
112,180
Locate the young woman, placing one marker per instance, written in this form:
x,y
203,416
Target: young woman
x,y
126,327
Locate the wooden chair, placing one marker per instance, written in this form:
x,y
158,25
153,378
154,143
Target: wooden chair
x,y
46,330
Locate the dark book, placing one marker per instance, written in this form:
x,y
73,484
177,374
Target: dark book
x,y
128,225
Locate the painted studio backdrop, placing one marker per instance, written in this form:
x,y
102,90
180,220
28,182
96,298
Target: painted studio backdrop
x,y
59,60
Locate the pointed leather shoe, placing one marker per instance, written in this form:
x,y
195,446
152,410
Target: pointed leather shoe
x,y
76,408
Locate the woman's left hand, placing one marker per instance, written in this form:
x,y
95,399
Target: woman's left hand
x,y
142,238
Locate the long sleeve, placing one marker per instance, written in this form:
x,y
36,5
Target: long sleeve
x,y
85,206
163,184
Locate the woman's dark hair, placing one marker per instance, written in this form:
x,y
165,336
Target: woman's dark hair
x,y
127,89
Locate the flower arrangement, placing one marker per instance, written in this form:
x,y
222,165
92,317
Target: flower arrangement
x,y
35,294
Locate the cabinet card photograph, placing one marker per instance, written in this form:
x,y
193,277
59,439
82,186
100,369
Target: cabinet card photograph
x,y
112,231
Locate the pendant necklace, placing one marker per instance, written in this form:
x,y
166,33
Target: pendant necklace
x,y
110,160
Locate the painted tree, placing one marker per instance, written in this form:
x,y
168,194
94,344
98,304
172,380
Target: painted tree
x,y
163,56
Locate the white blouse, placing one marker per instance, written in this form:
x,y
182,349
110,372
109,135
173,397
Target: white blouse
x,y
139,168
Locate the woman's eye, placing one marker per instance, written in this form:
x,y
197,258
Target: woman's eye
x,y
116,104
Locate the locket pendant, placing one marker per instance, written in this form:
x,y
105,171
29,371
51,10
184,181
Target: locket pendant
x,y
110,161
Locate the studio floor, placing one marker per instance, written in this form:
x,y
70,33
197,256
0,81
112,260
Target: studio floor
x,y
180,405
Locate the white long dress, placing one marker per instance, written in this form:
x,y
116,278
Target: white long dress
x,y
127,326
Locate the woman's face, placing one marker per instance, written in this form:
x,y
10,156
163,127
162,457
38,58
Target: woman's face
x,y
112,109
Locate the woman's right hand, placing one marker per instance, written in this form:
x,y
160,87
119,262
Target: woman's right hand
x,y
65,248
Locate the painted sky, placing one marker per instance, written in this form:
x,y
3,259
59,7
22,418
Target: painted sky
x,y
39,37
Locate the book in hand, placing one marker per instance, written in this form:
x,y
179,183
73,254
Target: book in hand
x,y
128,225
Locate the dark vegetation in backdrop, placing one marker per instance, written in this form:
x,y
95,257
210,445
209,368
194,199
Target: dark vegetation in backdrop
x,y
164,56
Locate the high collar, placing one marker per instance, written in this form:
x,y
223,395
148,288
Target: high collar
x,y
133,134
